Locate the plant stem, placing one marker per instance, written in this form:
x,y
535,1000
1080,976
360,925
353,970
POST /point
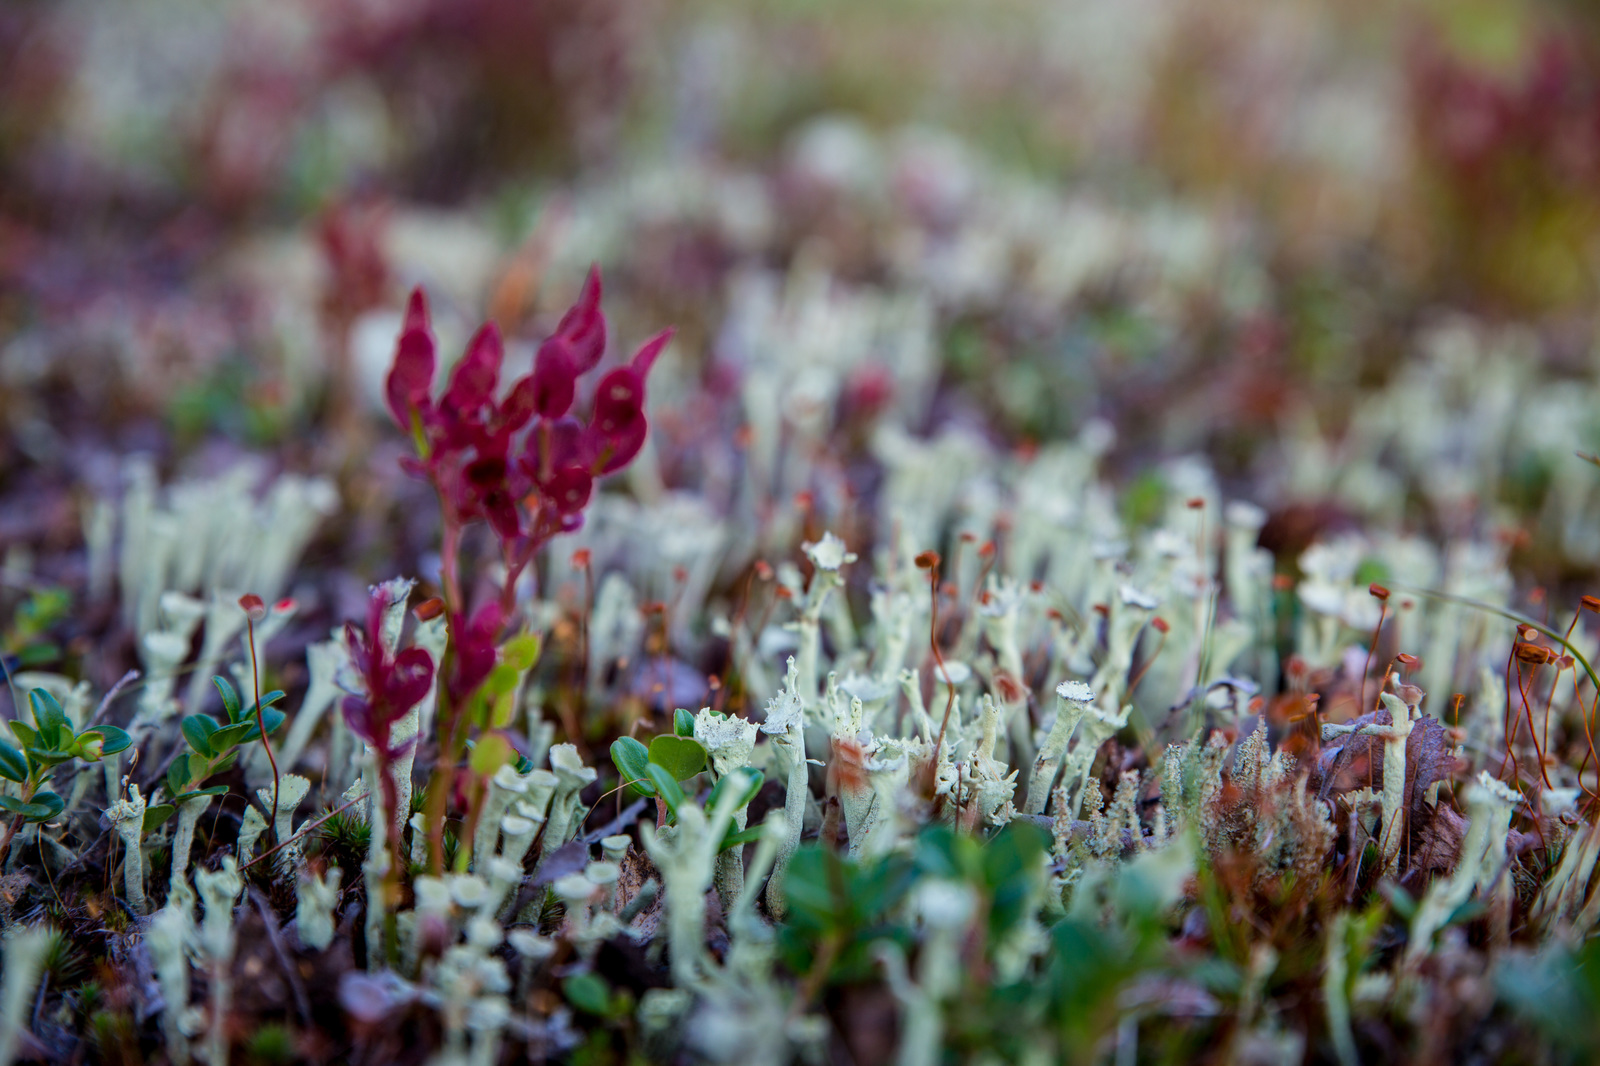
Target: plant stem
x,y
261,724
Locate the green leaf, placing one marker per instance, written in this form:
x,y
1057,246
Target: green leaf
x,y
520,652
682,723
273,720
154,816
667,787
1399,899
269,699
588,992
499,698
49,757
679,756
214,790
230,735
491,752
197,730
54,729
740,839
113,739
751,780
45,806
13,766
26,733
230,696
178,774
631,758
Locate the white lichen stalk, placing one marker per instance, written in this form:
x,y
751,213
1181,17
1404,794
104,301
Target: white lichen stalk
x,y
730,741
189,812
1073,700
785,725
127,818
218,891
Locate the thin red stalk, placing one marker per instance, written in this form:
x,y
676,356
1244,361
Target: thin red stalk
x,y
1383,609
938,659
1512,725
1145,666
1533,734
261,723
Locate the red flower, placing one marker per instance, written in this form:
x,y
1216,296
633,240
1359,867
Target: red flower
x,y
395,683
475,649
472,446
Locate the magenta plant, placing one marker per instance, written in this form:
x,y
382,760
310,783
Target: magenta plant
x,y
522,463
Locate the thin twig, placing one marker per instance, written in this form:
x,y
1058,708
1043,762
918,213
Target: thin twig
x,y
112,693
308,827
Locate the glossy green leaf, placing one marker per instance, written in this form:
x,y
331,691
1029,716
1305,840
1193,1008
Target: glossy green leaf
x,y
229,735
273,720
154,816
113,739
49,756
26,733
679,756
682,723
13,766
630,758
54,729
269,699
230,696
44,806
667,787
197,730
178,774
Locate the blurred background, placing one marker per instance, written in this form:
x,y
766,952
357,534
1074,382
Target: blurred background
x,y
1346,252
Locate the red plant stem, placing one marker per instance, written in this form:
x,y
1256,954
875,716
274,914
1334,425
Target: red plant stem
x,y
1512,725
261,722
1533,734
1145,666
1383,610
449,551
938,659
11,831
443,778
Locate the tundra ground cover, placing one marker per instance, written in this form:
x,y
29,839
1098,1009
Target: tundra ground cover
x,y
1009,619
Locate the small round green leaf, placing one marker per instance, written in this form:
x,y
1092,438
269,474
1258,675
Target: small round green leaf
x,y
667,787
113,739
154,816
230,696
13,766
197,730
679,756
272,718
45,806
631,758
683,723
54,729
588,992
